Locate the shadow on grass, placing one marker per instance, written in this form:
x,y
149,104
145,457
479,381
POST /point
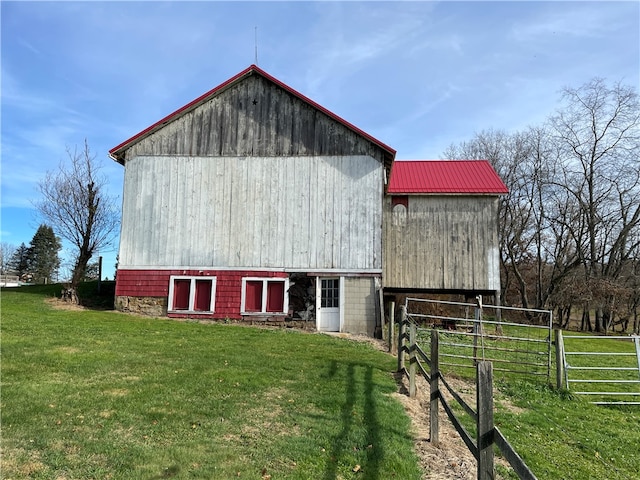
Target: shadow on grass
x,y
89,294
348,414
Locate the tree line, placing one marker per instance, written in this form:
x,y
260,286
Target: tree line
x,y
569,229
37,263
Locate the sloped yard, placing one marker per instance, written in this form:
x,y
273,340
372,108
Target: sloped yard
x,y
97,394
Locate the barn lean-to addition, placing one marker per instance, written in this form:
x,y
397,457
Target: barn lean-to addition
x,y
254,202
441,222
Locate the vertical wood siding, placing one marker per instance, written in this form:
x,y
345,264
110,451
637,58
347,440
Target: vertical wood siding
x,y
256,118
442,242
314,212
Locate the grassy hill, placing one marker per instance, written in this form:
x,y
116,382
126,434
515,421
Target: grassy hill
x,y
98,394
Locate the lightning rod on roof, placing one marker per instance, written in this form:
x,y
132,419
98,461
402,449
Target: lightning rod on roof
x,y
256,43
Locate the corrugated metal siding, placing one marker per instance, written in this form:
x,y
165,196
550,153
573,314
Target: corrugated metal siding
x,y
442,242
155,283
256,117
445,176
275,212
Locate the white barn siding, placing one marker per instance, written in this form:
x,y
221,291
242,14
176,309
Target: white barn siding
x,y
320,212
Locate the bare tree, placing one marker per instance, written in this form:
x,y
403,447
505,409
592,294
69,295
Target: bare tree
x,y
569,229
597,133
75,203
521,159
6,252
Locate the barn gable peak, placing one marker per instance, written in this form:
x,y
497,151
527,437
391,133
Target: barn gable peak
x,y
119,153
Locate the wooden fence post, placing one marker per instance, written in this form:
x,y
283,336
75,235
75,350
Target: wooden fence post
x,y
485,431
557,335
413,333
401,326
392,321
434,388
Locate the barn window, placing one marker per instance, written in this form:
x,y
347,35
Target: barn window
x,y
192,294
400,200
265,295
330,293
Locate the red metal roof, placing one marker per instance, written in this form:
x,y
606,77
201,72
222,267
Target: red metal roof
x,y
445,176
206,96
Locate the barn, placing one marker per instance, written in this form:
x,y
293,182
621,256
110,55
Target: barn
x,y
253,202
441,228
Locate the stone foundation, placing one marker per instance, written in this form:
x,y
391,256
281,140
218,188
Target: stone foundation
x,y
157,307
152,306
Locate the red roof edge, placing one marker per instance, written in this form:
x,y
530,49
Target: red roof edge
x,y
247,71
442,177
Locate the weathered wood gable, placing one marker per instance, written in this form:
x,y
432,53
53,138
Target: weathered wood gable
x,y
254,116
441,242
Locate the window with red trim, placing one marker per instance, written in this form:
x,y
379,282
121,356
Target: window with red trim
x,y
275,296
265,295
192,294
253,296
181,289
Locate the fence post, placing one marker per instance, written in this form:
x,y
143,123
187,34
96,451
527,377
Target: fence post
x,y
559,357
412,359
636,340
484,382
392,321
434,389
401,325
477,329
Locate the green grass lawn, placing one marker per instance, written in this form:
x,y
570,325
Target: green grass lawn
x,y
603,353
559,434
98,394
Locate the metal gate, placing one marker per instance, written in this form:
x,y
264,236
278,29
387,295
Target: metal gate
x,y
472,332
604,369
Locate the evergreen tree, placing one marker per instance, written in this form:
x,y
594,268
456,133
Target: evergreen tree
x,y
92,272
44,261
19,262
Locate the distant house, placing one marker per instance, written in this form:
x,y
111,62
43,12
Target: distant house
x,y
254,202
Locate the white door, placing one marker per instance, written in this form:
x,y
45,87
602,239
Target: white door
x,y
328,317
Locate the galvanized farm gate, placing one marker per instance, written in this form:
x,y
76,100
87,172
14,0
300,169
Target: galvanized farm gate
x,y
473,332
606,372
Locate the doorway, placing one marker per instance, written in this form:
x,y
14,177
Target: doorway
x,y
329,293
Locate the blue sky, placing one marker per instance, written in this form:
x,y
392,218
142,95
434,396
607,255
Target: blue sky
x,y
418,76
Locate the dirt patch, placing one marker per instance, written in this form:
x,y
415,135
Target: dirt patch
x,y
374,342
60,304
450,459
